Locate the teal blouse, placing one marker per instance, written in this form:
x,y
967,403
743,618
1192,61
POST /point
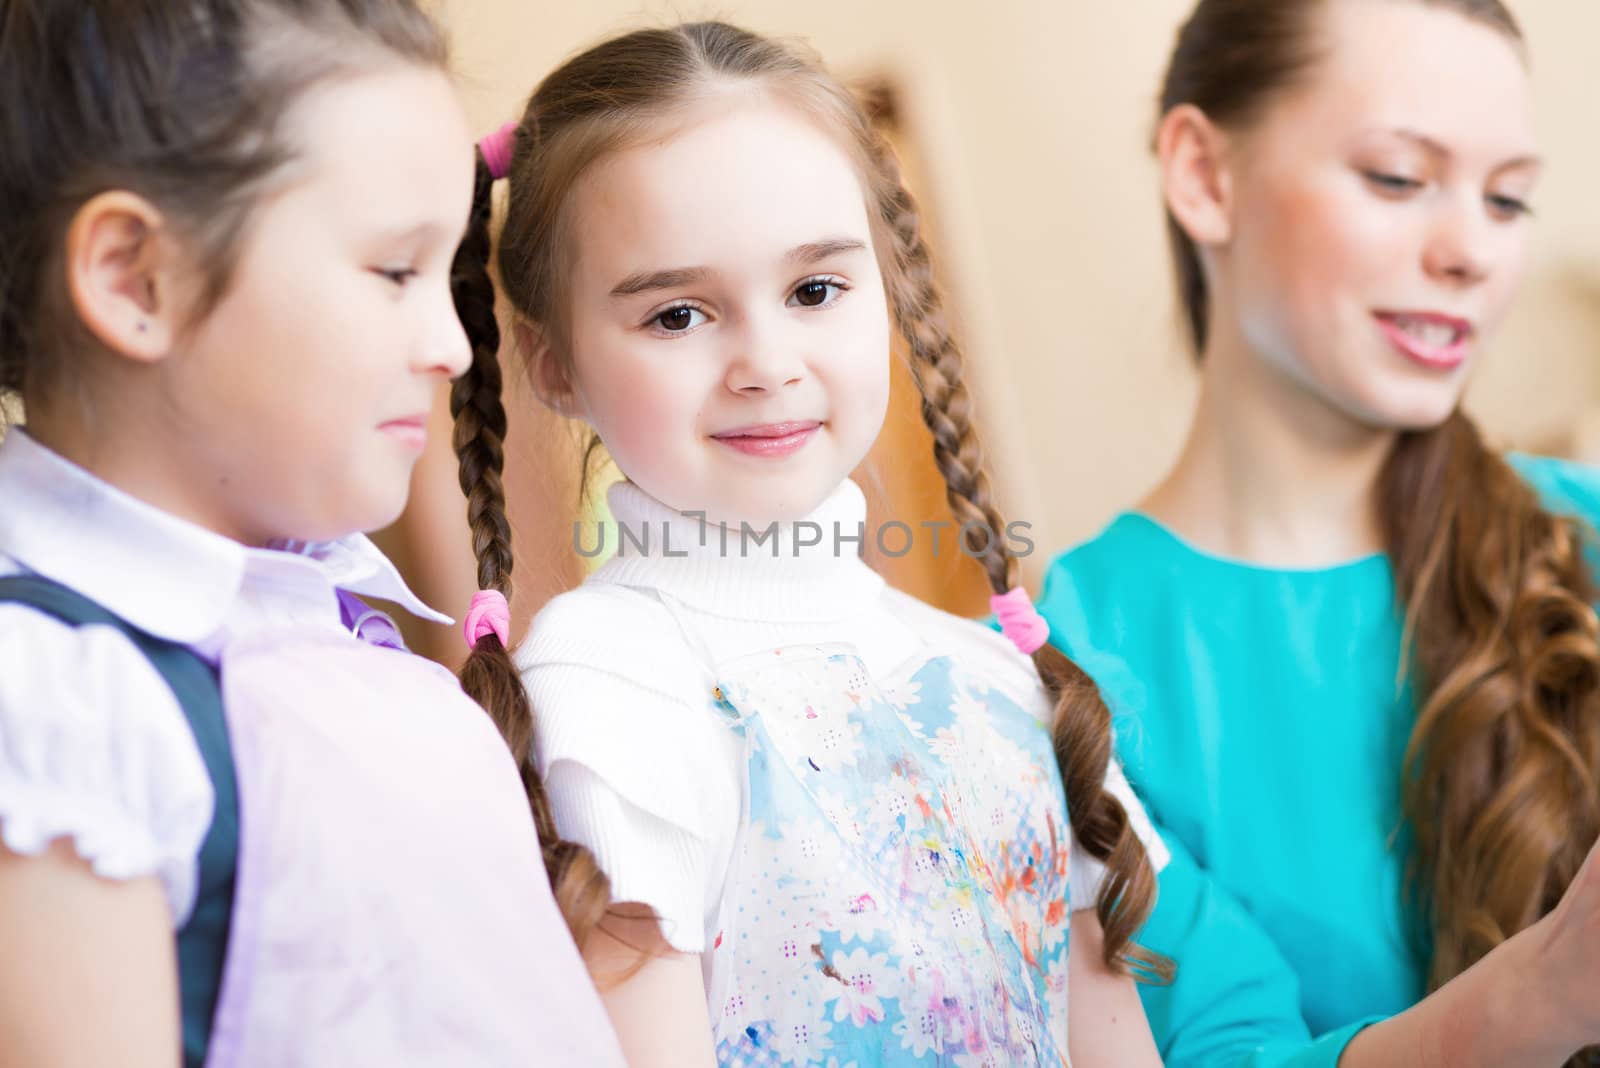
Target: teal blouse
x,y
1262,715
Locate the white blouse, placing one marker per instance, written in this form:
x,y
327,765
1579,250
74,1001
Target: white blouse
x,y
93,745
637,768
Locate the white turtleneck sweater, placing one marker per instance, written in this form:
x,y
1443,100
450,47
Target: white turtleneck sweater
x,y
638,767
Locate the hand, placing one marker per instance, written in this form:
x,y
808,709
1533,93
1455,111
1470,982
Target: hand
x,y
1568,958
1531,1001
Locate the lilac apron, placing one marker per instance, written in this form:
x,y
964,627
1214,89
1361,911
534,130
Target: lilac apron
x,y
391,905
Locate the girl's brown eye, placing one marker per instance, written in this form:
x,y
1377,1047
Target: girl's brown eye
x,y
811,294
676,319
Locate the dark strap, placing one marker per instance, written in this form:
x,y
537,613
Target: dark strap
x,y
203,940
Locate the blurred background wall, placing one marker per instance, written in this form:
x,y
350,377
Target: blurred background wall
x,y
1027,124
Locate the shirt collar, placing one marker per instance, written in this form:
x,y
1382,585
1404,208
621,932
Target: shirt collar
x,y
163,575
807,570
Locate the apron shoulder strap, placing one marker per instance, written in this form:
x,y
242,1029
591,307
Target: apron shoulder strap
x,y
203,940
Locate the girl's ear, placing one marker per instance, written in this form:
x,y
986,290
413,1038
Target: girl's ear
x,y
122,268
551,384
1195,179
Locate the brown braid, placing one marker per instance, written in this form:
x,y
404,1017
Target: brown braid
x,y
1082,731
582,890
619,93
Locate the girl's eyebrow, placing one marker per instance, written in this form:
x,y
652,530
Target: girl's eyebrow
x,y
671,278
674,277
821,250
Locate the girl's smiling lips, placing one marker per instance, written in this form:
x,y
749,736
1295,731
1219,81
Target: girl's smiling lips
x,y
772,440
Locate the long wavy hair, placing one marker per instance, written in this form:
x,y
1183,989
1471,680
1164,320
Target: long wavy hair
x,y
1501,781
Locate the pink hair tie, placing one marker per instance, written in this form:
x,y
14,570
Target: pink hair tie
x,y
1019,620
497,149
488,614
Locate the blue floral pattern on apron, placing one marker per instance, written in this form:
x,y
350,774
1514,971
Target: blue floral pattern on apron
x,y
899,891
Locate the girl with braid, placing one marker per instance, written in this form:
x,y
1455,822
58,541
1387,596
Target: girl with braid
x,y
836,825
239,824
1354,651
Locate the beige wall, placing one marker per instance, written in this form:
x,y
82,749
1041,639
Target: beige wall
x,y
1033,118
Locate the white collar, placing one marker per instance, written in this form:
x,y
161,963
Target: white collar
x,y
163,575
738,575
